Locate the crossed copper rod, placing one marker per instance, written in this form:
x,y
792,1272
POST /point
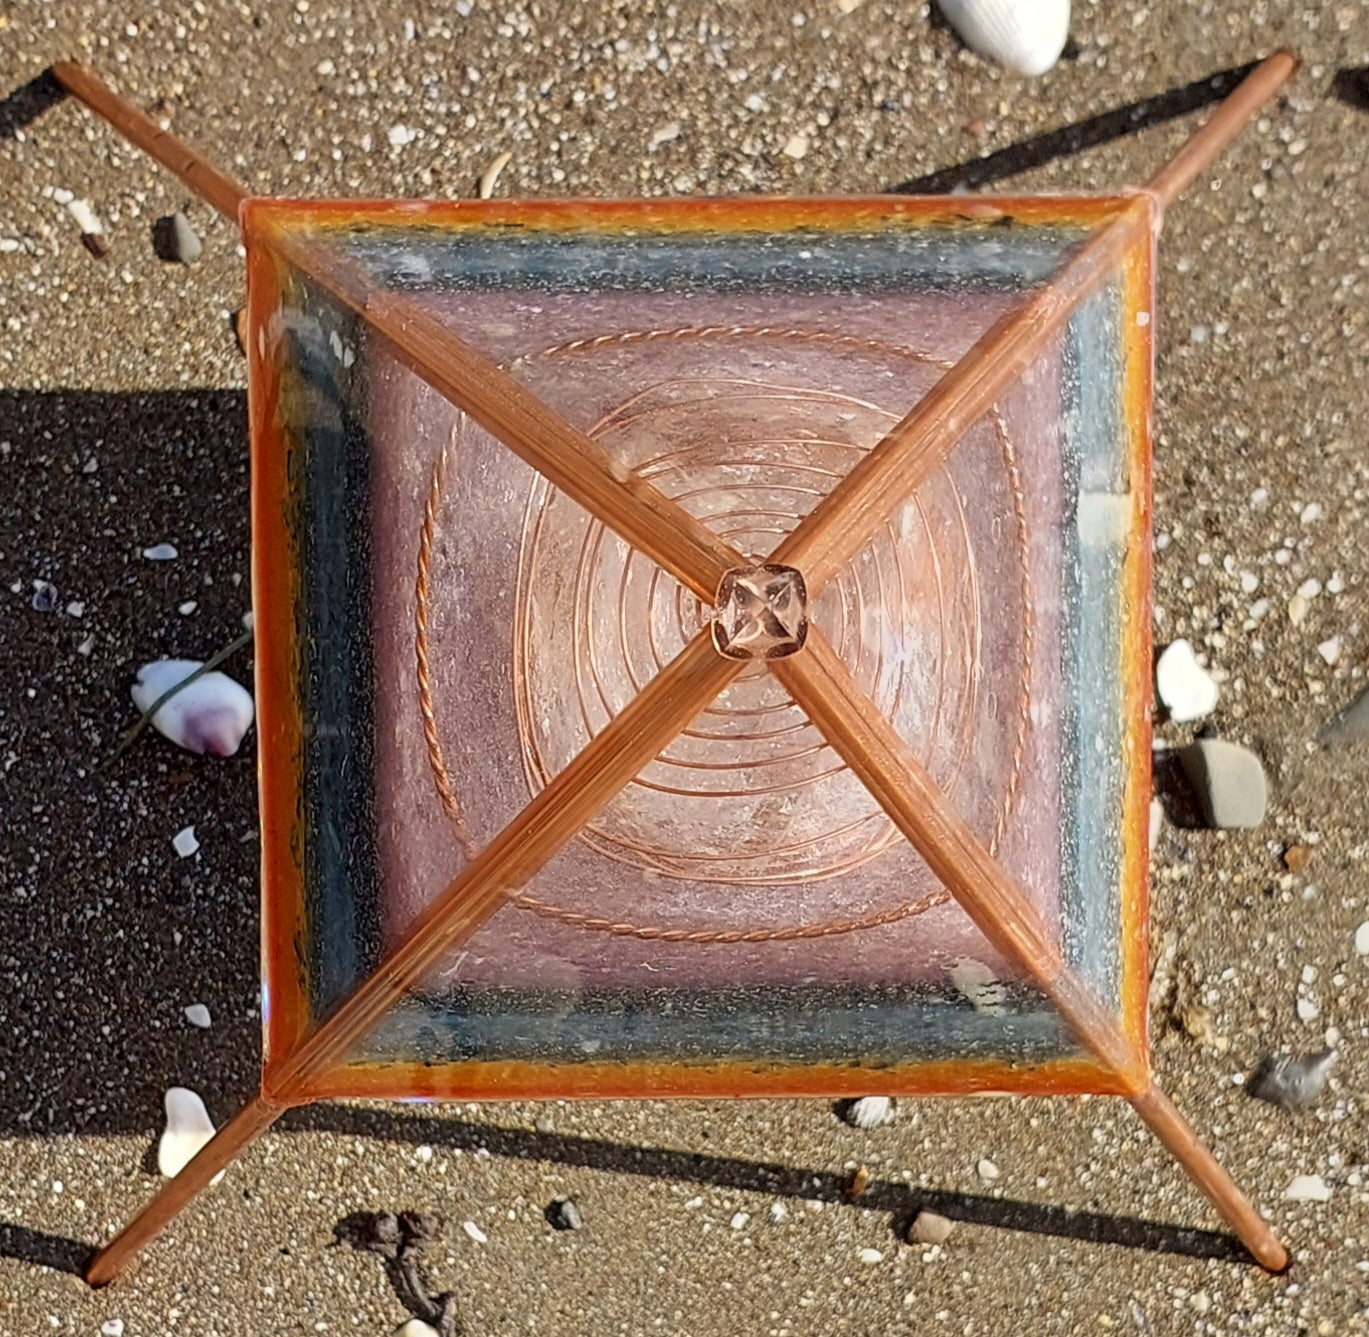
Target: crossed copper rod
x,y
815,677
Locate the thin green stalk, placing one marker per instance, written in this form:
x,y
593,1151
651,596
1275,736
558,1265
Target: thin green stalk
x,y
130,736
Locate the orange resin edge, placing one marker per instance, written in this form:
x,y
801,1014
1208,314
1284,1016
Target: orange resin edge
x,y
752,213
544,1081
1138,315
285,1002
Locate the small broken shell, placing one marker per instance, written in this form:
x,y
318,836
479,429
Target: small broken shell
x,y
209,717
868,1112
1185,688
188,1129
1022,35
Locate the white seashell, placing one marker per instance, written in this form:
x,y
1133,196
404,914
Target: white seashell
x,y
415,1327
85,217
188,1128
1307,1188
210,716
1185,687
869,1112
489,178
1022,35
475,1232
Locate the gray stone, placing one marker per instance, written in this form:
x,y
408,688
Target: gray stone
x,y
1292,1081
1229,782
175,241
1351,726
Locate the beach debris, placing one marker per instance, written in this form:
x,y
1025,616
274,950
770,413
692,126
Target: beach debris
x,y
870,1256
1362,939
198,1015
112,1327
930,1228
1307,1188
1196,1021
564,1214
489,178
987,1170
1157,823
161,552
92,230
1026,36
1185,688
1292,1081
209,716
740,1220
1229,782
239,320
976,982
175,241
188,1129
400,135
400,1242
795,147
44,598
664,134
858,1182
868,1112
475,1232
185,843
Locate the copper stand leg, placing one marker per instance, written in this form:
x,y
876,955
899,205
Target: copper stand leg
x,y
1202,1166
242,1129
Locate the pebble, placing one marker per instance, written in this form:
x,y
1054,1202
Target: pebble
x,y
868,1112
987,1171
44,598
198,1015
1329,650
1157,823
1307,1009
858,1182
161,552
188,1128
664,134
415,1327
175,241
1292,1081
184,842
400,134
1185,688
796,147
1362,939
740,1220
565,1215
475,1232
930,1228
870,1257
1297,857
1307,1188
1350,726
112,1327
1229,782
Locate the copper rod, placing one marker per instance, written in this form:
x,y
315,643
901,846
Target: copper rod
x,y
638,512
1225,123
248,1124
842,522
822,686
143,132
674,697
1158,1111
824,690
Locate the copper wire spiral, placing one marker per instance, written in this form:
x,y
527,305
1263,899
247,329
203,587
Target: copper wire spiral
x,y
577,919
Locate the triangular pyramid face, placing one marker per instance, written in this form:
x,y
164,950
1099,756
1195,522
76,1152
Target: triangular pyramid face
x,y
442,631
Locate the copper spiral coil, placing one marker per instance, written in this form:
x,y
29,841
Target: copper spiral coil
x,y
442,779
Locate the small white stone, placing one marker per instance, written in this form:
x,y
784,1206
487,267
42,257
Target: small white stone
x,y
161,552
198,1015
1297,610
188,607
475,1232
400,134
778,1211
188,1128
112,1327
796,147
987,1170
1329,650
1157,822
740,1220
1250,582
1362,939
1308,1009
663,134
1310,588
1187,690
415,1327
1307,1188
424,1154
1310,513
85,218
184,842
870,1257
